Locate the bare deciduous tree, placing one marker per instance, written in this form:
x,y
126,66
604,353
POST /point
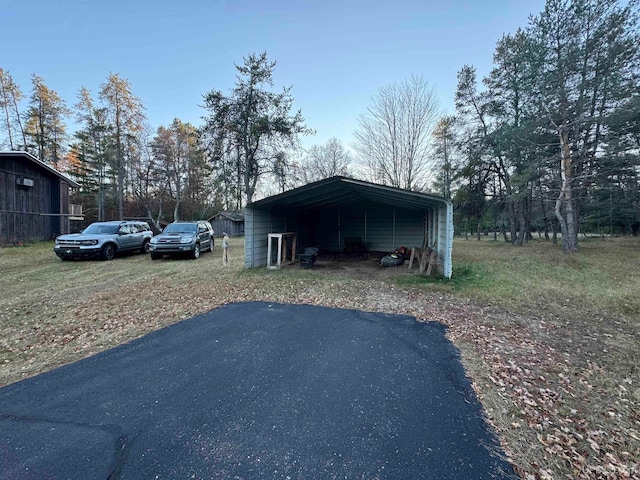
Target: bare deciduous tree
x,y
125,112
325,161
10,96
393,138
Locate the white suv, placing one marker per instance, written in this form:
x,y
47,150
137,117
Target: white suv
x,y
104,240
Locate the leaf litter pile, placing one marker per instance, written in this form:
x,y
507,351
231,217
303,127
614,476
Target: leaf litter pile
x,y
561,407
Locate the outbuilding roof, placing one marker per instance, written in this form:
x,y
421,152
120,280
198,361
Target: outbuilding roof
x,y
338,191
30,158
233,216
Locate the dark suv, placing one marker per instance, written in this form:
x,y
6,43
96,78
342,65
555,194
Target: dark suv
x,y
104,240
187,238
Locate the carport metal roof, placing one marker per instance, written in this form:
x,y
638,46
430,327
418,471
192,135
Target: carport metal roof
x,y
338,191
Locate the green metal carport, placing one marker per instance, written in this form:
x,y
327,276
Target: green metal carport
x,y
324,213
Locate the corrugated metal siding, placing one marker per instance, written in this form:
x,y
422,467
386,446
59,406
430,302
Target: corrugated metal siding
x,y
306,229
327,230
280,222
352,224
256,226
410,228
379,227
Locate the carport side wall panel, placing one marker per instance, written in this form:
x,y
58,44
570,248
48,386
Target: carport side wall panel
x,y
409,228
328,229
389,227
380,227
351,220
258,224
352,224
441,233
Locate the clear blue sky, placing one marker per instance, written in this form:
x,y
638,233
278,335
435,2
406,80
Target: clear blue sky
x,y
335,54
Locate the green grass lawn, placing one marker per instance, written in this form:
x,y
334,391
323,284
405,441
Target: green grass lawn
x,y
604,276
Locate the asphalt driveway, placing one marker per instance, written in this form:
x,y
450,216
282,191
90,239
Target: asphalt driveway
x,y
256,391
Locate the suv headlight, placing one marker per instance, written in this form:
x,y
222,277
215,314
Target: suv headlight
x,y
187,239
89,242
154,240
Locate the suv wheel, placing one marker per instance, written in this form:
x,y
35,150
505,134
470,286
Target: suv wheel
x,y
195,253
145,247
155,256
108,252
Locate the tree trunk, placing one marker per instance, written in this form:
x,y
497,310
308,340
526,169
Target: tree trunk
x,y
176,212
512,221
19,120
7,117
567,222
544,211
119,162
504,233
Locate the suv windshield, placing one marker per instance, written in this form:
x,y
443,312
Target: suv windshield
x,y
96,228
181,228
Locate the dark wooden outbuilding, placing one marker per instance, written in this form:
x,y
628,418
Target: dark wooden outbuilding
x,y
34,199
232,223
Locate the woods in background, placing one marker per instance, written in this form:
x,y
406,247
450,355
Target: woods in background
x,y
551,142
547,142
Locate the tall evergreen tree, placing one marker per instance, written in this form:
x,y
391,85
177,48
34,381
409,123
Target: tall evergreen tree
x,y
179,156
445,145
544,130
253,125
93,149
588,65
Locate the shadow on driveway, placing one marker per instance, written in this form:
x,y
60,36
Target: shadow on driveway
x,y
256,391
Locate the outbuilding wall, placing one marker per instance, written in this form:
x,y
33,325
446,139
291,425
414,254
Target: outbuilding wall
x,y
31,213
221,223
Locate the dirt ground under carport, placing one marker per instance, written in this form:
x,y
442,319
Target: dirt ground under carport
x,y
365,264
